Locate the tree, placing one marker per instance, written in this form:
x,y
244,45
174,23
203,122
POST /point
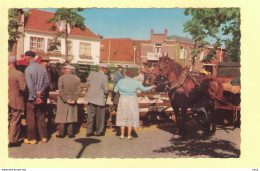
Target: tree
x,y
207,22
70,18
14,18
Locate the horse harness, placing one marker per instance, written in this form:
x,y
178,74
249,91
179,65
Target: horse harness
x,y
181,81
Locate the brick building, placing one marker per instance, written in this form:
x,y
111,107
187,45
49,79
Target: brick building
x,y
123,51
177,48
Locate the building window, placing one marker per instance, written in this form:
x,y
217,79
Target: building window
x,y
37,44
54,46
183,53
85,50
158,50
69,43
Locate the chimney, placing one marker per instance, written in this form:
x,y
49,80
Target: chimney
x,y
151,33
165,33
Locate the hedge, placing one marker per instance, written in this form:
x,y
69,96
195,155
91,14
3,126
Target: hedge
x,y
82,71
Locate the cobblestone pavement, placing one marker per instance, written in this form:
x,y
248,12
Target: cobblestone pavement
x,y
152,142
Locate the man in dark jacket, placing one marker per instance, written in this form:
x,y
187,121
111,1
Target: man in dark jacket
x,y
69,91
37,82
17,85
45,60
118,75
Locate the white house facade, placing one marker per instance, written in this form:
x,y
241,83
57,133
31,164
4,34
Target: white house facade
x,y
83,46
81,50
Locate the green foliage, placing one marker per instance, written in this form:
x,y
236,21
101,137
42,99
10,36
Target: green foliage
x,y
83,71
233,53
13,25
207,22
212,54
69,16
54,44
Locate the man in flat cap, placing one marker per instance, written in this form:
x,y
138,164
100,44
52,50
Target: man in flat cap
x,y
67,111
118,75
17,85
97,92
57,73
45,60
37,82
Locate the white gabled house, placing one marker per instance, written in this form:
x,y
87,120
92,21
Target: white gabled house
x,y
84,46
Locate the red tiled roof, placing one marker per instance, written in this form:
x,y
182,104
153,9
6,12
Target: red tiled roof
x,y
37,22
120,50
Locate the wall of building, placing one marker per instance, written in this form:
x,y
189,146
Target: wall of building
x,y
145,48
169,48
95,47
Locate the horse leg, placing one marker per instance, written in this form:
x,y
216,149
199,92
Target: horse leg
x,y
177,117
182,121
212,119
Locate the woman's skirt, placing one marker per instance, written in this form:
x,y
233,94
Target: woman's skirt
x,y
128,112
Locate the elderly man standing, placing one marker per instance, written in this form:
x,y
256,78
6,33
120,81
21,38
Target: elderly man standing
x,y
17,85
118,75
45,60
67,111
140,76
37,82
97,86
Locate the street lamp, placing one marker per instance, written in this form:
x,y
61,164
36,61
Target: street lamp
x,y
134,54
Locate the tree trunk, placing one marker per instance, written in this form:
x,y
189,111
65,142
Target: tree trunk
x,y
13,49
193,60
66,43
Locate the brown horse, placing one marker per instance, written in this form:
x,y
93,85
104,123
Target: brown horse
x,y
185,91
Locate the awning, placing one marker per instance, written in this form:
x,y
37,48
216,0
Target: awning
x,y
85,63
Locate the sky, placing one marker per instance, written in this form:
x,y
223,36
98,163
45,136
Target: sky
x,y
134,23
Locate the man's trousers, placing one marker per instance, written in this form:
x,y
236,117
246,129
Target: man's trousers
x,y
14,126
35,118
99,112
63,126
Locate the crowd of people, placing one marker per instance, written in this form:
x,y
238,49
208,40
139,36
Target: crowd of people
x,y
29,91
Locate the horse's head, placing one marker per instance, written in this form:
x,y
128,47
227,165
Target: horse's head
x,y
153,75
160,71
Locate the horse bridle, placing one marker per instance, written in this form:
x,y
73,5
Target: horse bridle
x,y
170,82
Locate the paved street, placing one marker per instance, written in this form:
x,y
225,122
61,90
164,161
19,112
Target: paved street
x,y
152,142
